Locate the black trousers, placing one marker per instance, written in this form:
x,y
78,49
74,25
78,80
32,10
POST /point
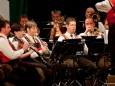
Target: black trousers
x,y
111,42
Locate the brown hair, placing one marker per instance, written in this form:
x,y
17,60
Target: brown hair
x,y
3,23
69,19
23,16
56,12
16,27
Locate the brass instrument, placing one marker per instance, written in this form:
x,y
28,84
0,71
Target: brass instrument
x,y
96,17
94,31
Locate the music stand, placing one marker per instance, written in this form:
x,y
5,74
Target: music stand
x,y
96,47
65,48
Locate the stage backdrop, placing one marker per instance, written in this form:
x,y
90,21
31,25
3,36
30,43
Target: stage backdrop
x,y
39,10
17,8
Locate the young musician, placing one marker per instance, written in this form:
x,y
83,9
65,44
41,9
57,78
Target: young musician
x,y
91,30
70,34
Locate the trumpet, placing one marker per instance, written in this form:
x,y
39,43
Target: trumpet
x,y
96,17
94,31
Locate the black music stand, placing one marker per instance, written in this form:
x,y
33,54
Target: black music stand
x,y
66,47
96,47
63,49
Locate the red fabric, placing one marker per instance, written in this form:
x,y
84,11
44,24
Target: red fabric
x,y
113,2
39,48
3,58
111,16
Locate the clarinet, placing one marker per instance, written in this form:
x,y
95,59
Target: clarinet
x,y
33,48
41,56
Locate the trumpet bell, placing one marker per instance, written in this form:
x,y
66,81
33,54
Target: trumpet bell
x,y
96,17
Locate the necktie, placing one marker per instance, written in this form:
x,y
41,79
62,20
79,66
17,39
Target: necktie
x,y
71,36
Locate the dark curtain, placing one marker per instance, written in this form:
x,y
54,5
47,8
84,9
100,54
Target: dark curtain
x,y
17,8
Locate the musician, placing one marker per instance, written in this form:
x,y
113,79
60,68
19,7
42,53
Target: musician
x,y
90,29
8,54
90,12
23,20
18,32
58,24
6,49
108,6
70,34
31,37
17,41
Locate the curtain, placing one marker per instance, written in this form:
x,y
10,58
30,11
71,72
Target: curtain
x,y
17,8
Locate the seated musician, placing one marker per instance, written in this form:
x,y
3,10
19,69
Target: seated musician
x,y
70,34
89,24
8,54
58,24
6,49
17,41
91,30
33,39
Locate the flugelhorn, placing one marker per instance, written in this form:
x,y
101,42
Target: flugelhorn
x,y
96,17
94,31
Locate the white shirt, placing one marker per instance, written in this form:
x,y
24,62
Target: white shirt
x,y
7,50
89,34
61,38
103,6
101,27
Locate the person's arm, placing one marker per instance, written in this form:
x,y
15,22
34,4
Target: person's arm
x,y
7,50
26,54
101,27
103,6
